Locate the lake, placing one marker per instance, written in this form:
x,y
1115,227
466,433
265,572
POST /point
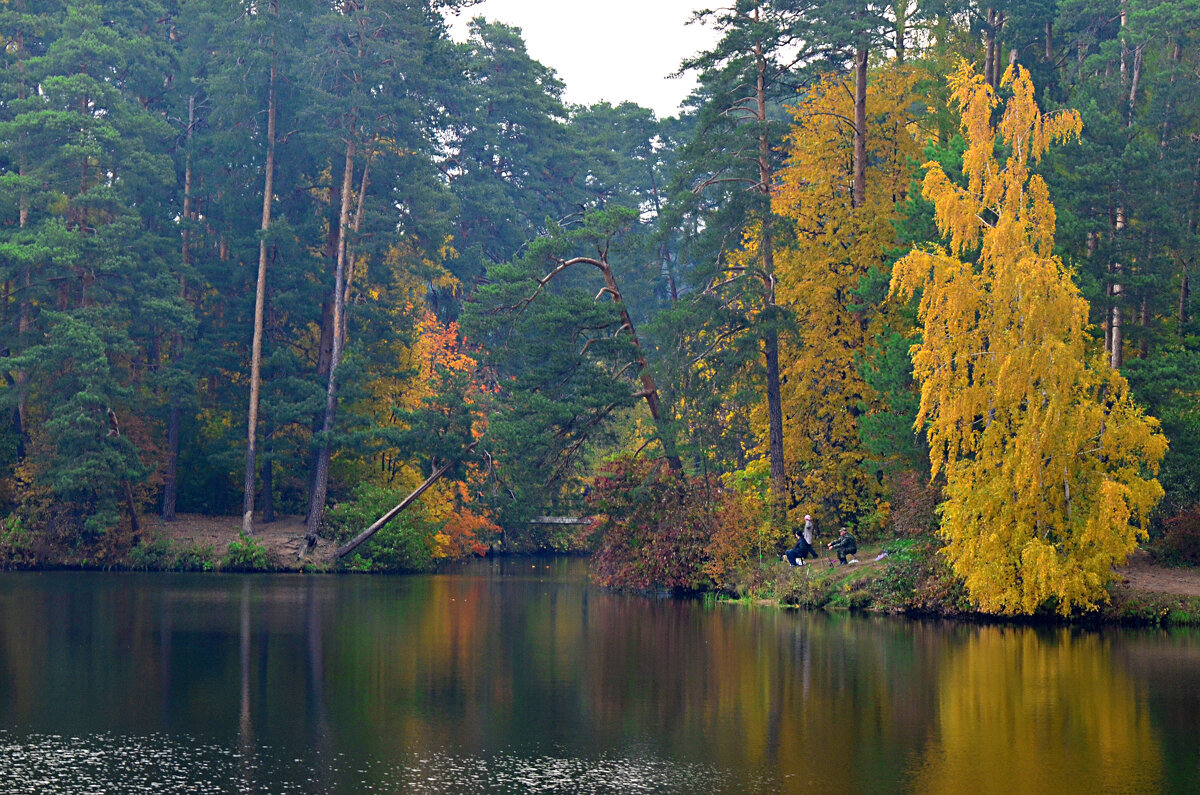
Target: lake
x,y
516,675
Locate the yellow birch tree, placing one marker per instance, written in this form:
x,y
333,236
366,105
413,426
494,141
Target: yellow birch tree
x,y
1049,464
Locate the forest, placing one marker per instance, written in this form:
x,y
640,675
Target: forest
x,y
918,268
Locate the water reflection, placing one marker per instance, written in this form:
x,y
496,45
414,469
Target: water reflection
x,y
1021,710
516,676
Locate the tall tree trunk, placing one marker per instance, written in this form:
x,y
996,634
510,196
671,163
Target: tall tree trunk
x,y
1116,322
260,298
268,482
24,324
664,253
860,127
989,50
900,12
325,343
316,504
1116,353
171,476
1184,297
1144,326
771,335
997,50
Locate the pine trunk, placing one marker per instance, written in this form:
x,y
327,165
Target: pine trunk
x,y
260,297
989,50
24,323
649,387
316,504
860,128
171,476
997,50
1184,296
268,483
771,336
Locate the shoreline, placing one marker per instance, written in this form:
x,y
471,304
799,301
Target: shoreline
x,y
909,580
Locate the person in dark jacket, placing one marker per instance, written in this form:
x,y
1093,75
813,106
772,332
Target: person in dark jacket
x,y
844,545
798,553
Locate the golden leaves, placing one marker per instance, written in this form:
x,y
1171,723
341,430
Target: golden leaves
x,y
835,245
1048,462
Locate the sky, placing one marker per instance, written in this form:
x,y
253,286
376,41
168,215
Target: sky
x,y
612,50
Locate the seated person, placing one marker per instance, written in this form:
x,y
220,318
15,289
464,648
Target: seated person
x,y
798,553
845,545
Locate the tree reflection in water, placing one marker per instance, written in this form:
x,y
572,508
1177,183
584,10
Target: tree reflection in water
x,y
510,672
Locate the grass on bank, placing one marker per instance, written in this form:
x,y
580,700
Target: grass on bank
x,y
913,579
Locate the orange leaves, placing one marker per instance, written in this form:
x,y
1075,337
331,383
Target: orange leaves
x,y
1048,462
438,346
463,535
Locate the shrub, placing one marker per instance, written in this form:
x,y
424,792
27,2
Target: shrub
x,y
16,544
658,526
1182,536
743,536
194,557
914,502
247,554
152,555
404,544
368,502
461,535
797,587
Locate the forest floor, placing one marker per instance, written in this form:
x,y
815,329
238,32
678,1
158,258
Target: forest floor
x,y
281,538
1141,573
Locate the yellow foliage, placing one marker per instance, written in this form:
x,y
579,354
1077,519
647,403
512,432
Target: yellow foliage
x,y
836,244
1048,461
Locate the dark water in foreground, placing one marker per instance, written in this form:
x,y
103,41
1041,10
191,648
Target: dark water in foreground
x,y
516,676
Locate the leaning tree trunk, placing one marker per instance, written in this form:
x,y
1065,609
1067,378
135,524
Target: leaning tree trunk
x,y
649,388
316,503
260,298
354,543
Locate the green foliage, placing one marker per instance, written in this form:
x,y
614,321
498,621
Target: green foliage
x,y
16,543
152,555
1168,384
247,554
404,544
194,557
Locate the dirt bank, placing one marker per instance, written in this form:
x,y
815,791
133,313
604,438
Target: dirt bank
x,y
1142,574
281,538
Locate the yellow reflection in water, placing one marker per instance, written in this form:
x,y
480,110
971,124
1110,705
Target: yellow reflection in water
x,y
1041,712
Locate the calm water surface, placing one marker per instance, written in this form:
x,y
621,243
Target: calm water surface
x,y
516,676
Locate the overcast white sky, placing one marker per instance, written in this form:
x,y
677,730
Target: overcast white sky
x,y
612,50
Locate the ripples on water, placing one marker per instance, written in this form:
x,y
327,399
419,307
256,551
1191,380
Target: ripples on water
x,y
55,765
